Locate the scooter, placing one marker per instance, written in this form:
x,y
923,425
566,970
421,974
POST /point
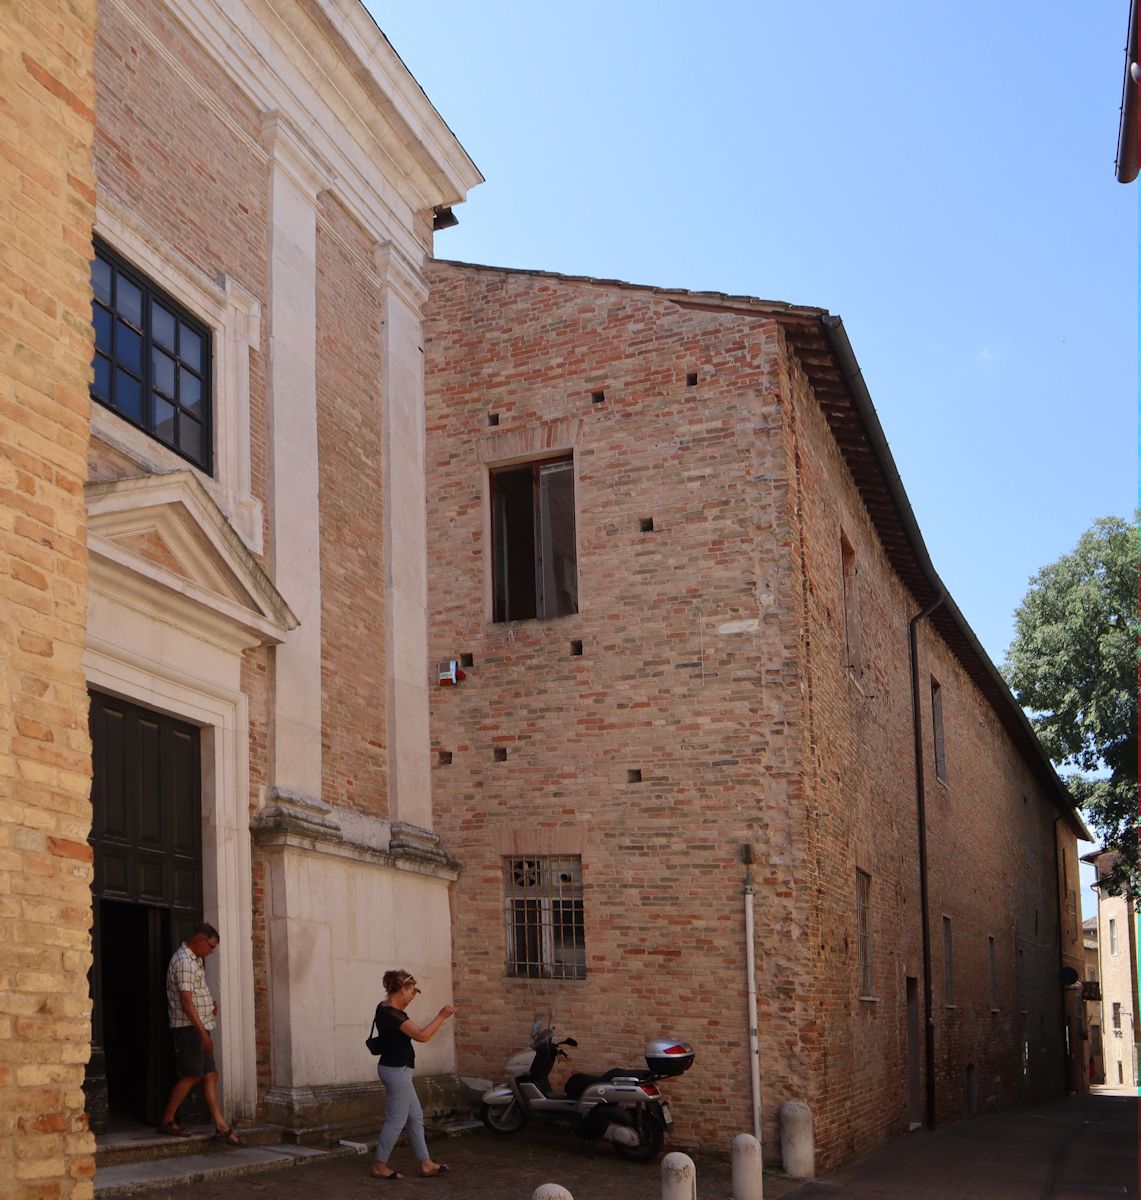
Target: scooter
x,y
622,1105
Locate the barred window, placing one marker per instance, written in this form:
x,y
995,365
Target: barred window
x,y
544,917
152,359
864,933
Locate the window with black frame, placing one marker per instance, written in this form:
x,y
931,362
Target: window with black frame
x,y
152,359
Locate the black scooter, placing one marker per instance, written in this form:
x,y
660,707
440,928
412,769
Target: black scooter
x,y
622,1105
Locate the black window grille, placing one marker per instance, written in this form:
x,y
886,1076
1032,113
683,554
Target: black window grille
x,y
152,359
544,916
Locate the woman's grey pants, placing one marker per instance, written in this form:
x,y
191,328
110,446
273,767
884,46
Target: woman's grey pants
x,y
401,1108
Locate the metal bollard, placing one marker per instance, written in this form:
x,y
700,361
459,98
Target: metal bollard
x,y
551,1191
797,1146
747,1179
679,1177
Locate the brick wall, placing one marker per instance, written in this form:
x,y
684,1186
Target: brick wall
x,y
45,349
714,661
688,673
354,734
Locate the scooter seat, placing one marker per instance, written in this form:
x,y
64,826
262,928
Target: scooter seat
x,y
580,1081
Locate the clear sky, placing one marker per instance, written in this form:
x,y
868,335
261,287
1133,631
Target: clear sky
x,y
941,176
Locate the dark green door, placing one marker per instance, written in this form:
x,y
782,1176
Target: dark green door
x,y
147,897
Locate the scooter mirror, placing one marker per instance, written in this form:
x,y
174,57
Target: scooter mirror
x,y
569,1042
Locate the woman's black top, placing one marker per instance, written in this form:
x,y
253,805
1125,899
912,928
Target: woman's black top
x,y
396,1048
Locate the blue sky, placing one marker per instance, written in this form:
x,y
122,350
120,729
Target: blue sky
x,y
942,176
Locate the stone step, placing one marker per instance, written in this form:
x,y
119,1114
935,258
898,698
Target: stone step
x,y
143,1144
199,1165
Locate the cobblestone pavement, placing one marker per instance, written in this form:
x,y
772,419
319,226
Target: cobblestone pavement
x,y
1076,1149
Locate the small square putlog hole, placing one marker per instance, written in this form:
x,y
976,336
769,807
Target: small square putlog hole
x,y
691,379
634,776
500,753
493,419
597,397
444,758
646,524
576,649
467,660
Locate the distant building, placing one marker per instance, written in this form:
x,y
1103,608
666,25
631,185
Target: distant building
x,y
1117,970
671,552
1091,996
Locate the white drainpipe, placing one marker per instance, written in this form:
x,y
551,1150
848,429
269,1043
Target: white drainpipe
x,y
751,979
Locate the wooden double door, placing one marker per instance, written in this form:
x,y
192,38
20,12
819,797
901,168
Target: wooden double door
x,y
147,898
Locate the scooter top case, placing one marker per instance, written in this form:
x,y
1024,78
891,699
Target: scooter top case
x,y
665,1059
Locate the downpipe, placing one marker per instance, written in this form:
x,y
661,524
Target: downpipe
x,y
751,981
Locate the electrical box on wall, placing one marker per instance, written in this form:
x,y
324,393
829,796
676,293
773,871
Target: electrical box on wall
x,y
448,672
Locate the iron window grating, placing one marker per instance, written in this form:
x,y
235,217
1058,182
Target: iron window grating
x,y
152,361
543,914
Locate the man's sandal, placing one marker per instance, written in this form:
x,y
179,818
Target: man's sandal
x,y
173,1129
227,1137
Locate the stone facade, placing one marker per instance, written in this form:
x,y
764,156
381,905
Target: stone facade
x,y
737,673
47,182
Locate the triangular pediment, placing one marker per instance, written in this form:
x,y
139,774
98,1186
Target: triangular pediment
x,y
165,539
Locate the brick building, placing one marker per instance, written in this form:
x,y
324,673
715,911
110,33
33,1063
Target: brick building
x,y
672,555
1115,945
47,184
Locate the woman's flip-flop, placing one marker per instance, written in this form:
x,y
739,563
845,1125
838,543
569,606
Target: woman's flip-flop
x,y
391,1174
440,1170
173,1129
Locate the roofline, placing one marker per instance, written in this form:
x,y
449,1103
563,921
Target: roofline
x,y
1129,127
1010,712
819,340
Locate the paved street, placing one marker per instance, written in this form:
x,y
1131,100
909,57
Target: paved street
x,y
1075,1149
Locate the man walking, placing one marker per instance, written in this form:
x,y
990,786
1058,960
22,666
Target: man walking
x,y
191,1010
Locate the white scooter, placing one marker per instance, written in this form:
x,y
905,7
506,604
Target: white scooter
x,y
622,1105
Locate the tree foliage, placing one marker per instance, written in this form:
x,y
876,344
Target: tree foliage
x,y
1073,665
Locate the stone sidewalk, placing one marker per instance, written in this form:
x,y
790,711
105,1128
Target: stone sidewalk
x,y
1075,1149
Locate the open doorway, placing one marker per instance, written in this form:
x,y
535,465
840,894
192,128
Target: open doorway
x,y
147,897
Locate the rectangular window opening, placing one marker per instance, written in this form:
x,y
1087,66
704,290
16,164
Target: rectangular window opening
x,y
543,909
152,359
1112,935
937,731
852,654
864,933
948,964
992,972
534,557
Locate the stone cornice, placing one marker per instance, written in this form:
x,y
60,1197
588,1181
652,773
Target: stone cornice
x,y
333,75
397,271
289,150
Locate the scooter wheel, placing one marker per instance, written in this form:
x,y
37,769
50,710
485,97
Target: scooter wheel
x,y
503,1118
650,1138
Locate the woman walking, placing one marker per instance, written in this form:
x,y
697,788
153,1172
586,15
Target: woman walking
x,y
397,1059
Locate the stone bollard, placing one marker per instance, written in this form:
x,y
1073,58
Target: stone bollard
x,y
747,1179
551,1191
679,1177
797,1147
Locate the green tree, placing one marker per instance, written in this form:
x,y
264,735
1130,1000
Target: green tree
x,y
1073,666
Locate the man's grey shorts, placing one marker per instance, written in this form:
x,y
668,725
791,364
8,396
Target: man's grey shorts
x,y
190,1060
